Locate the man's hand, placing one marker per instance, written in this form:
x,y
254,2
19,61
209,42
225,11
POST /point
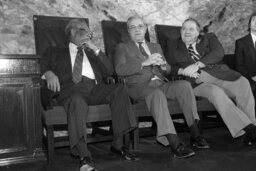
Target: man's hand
x,y
154,59
194,75
190,70
52,81
89,44
254,78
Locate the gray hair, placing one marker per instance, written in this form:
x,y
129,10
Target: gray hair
x,y
133,18
193,20
72,24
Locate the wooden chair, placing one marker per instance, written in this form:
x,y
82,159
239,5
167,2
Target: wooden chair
x,y
49,31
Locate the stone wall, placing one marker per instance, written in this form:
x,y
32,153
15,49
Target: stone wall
x,y
227,18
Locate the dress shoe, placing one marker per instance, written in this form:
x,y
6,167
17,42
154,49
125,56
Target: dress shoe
x,y
86,164
182,151
199,142
250,135
125,153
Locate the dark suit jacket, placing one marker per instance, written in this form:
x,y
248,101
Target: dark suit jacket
x,y
211,52
128,59
245,56
58,60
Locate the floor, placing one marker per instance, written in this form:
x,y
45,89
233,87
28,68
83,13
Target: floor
x,y
225,153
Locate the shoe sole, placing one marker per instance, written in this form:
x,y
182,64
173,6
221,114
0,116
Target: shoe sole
x,y
181,157
201,147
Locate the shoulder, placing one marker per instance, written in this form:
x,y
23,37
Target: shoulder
x,y
244,38
122,44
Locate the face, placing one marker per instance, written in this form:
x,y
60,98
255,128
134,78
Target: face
x,y
137,29
80,33
253,24
189,32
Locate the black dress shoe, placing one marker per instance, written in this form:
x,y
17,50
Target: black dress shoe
x,y
182,151
199,142
86,164
125,153
249,137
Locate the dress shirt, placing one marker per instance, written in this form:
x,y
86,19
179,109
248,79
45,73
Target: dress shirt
x,y
253,39
86,66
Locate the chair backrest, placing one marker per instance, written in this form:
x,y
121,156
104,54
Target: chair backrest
x,y
115,32
50,31
165,32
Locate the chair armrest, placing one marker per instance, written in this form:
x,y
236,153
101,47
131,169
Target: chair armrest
x,y
110,80
176,77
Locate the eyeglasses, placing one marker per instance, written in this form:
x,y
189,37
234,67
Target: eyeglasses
x,y
140,27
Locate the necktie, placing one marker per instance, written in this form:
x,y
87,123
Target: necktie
x,y
77,69
193,54
142,50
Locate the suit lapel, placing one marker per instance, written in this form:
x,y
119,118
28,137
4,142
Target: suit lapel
x,y
67,59
249,42
182,48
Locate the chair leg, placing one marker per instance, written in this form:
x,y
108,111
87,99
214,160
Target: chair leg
x,y
200,124
50,143
135,136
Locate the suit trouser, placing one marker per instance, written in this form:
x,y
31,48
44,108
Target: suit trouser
x,y
156,101
220,93
76,101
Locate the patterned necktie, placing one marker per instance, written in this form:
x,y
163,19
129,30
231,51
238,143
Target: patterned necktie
x,y
193,54
142,50
77,69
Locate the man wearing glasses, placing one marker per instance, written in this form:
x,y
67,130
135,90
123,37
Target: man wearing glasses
x,y
144,67
76,74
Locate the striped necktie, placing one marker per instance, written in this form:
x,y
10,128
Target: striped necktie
x,y
193,54
142,50
77,69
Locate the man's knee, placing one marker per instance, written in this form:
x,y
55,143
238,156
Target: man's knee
x,y
156,93
77,99
216,92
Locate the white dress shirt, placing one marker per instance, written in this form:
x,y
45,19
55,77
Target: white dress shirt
x,y
254,40
86,66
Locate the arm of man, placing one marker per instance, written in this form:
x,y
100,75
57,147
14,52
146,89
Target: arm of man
x,y
239,60
215,50
124,63
108,67
51,79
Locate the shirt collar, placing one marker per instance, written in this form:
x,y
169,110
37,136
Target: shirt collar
x,y
193,45
143,42
72,47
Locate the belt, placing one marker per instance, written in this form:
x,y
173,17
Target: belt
x,y
86,79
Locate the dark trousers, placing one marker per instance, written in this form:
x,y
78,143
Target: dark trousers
x,y
76,97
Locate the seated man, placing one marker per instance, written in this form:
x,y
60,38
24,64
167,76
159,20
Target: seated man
x,y
75,74
245,54
143,66
198,58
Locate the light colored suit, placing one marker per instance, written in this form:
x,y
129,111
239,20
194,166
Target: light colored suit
x,y
219,84
128,60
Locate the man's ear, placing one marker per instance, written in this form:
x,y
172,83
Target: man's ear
x,y
72,32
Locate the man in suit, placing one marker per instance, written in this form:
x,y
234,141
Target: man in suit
x,y
143,65
199,59
245,54
75,74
